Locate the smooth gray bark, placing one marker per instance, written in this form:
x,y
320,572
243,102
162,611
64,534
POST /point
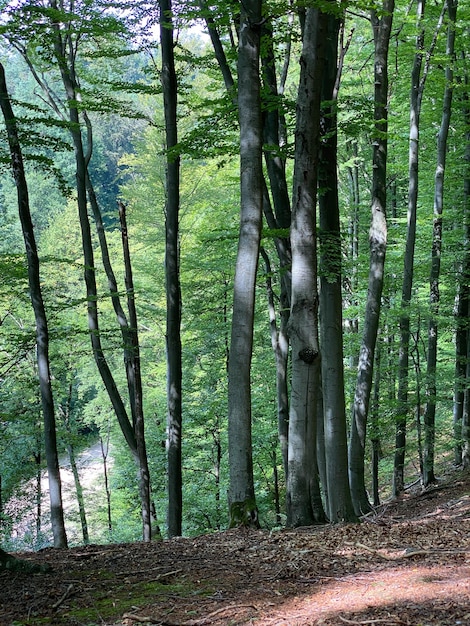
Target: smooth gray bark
x,y
242,502
304,505
277,218
172,276
378,244
429,418
418,80
417,87
462,333
42,331
65,56
331,302
135,386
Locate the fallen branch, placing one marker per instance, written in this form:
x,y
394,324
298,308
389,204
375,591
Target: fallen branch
x,y
207,619
157,578
383,620
410,552
138,618
67,593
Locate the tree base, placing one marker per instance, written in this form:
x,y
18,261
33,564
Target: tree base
x,y
244,514
9,562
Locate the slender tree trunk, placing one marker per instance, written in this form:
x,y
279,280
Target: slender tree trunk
x,y
280,346
378,243
280,219
331,302
65,412
173,288
242,502
417,86
42,332
104,455
462,333
79,492
466,414
434,300
375,430
38,461
303,504
137,396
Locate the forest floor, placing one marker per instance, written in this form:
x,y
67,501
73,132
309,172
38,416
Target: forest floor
x,y
408,564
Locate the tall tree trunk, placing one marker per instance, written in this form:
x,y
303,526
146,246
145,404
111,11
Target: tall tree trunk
x,y
65,410
417,86
280,219
104,456
280,346
331,302
462,333
303,503
137,395
418,81
277,219
434,298
375,430
173,288
242,502
466,414
65,60
42,332
378,243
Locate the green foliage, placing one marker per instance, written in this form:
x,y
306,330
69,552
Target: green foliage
x,y
118,70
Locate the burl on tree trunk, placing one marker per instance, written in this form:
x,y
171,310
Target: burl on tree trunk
x,y
7,561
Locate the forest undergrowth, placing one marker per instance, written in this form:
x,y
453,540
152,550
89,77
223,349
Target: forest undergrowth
x,y
408,563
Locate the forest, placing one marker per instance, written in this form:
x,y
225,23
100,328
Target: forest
x,y
235,260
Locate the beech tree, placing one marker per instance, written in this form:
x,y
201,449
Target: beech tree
x,y
42,331
331,319
304,506
173,288
242,501
62,31
434,296
419,74
381,24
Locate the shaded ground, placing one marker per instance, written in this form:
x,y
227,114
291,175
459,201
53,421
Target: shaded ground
x,y
408,564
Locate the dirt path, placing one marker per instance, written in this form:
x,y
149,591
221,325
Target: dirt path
x,y
409,564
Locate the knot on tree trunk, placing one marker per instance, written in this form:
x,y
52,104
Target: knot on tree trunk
x,y
308,355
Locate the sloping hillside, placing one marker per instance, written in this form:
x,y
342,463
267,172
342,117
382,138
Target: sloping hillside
x,y
408,564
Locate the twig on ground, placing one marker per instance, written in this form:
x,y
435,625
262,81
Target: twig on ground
x,y
409,553
207,619
138,618
383,620
65,595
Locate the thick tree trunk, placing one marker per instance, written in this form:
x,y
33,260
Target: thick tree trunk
x,y
42,332
434,298
173,288
303,504
331,317
277,219
242,502
378,243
